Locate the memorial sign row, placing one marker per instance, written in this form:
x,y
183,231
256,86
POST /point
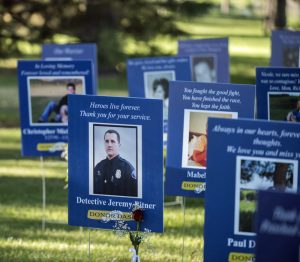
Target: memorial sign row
x,y
215,148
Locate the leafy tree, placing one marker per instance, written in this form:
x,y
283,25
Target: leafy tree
x,y
276,14
106,22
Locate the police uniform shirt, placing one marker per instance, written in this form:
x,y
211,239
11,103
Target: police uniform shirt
x,y
115,177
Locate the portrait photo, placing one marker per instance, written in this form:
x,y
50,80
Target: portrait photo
x,y
156,85
115,160
254,174
194,143
290,56
48,103
284,106
204,68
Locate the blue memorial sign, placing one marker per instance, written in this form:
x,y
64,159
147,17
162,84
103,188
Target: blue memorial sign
x,y
243,157
285,48
209,59
191,104
74,52
115,162
43,90
149,77
278,93
278,227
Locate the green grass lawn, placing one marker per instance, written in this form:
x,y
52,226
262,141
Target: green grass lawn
x,y
21,213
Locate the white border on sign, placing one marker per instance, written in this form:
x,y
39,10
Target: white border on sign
x,y
138,155
50,77
186,130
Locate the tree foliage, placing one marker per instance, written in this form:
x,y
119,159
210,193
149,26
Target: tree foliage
x,y
107,23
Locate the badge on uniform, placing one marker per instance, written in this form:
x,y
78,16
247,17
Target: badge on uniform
x,y
118,174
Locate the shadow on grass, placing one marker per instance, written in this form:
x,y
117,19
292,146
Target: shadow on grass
x,y
10,153
19,191
31,229
55,230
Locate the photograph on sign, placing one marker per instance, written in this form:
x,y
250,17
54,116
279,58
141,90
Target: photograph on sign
x,y
254,174
204,68
284,106
157,86
48,103
195,136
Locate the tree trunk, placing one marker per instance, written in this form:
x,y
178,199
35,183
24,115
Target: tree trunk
x,y
280,175
225,6
280,18
275,15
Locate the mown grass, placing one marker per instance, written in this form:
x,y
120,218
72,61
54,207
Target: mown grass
x,y
21,213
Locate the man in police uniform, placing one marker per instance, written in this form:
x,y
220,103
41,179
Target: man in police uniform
x,y
114,175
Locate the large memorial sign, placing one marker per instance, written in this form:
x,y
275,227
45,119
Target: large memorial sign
x,y
115,161
191,104
245,156
43,91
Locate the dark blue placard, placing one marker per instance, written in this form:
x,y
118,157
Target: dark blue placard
x,y
149,77
285,48
139,123
244,156
74,52
278,93
42,98
277,220
209,59
190,106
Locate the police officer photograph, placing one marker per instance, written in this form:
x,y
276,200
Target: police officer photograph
x,y
115,163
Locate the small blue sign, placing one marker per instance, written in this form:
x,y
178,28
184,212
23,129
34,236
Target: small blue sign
x,y
243,157
278,93
285,48
277,217
74,52
191,104
44,87
115,162
209,59
149,78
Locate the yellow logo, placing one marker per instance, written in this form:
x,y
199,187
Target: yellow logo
x,y
245,257
51,147
194,186
44,146
106,216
